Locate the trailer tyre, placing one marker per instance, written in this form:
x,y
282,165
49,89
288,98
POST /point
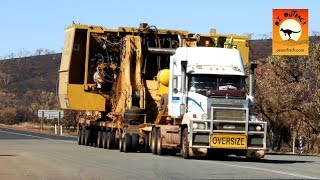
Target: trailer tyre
x,y
127,143
110,141
104,139
135,142
83,133
116,142
79,136
93,138
87,137
185,144
121,141
99,139
154,141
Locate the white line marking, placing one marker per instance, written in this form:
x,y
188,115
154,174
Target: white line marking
x,y
21,134
262,169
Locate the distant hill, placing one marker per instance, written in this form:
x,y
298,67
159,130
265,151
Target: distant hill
x,y
263,48
20,75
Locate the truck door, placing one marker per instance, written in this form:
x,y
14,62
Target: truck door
x,y
176,102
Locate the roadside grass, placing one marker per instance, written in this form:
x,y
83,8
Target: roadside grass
x,y
47,128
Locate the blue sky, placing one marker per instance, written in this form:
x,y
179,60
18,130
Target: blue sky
x,y
33,24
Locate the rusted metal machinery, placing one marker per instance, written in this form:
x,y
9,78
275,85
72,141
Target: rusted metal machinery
x,y
118,80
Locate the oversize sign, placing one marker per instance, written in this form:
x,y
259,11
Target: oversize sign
x,y
290,32
232,141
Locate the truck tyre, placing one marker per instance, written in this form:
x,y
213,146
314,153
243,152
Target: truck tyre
x,y
159,142
83,133
146,142
185,144
87,137
154,141
135,142
79,136
121,144
104,139
110,141
99,139
127,143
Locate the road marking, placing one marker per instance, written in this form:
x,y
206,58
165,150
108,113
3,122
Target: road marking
x,y
263,169
21,134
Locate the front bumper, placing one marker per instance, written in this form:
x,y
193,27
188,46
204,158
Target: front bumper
x,y
255,139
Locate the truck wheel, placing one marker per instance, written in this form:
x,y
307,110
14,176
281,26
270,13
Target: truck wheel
x,y
146,142
110,141
159,142
99,139
127,143
79,136
154,141
87,137
185,144
104,139
121,141
83,134
135,142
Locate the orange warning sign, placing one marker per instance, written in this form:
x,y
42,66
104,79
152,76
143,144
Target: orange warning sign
x,y
290,32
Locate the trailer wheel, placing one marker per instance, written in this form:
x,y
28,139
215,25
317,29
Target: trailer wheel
x,y
185,144
159,142
99,139
79,136
83,133
121,141
134,142
127,143
104,139
146,142
116,142
154,141
110,141
87,137
93,138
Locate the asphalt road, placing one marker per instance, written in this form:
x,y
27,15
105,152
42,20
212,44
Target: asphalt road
x,y
25,155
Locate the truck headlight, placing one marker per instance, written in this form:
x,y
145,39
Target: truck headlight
x,y
204,116
255,128
258,128
199,126
195,125
253,118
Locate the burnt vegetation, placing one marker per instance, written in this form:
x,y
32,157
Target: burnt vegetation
x,y
287,91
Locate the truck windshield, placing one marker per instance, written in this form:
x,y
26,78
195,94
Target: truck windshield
x,y
204,83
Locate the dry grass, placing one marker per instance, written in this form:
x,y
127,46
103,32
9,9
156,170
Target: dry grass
x,y
35,127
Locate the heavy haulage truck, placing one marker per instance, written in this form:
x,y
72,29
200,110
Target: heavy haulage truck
x,y
165,91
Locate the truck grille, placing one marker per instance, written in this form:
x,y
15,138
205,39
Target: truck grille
x,y
229,114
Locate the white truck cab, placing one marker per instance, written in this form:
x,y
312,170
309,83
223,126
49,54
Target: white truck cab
x,y
207,94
